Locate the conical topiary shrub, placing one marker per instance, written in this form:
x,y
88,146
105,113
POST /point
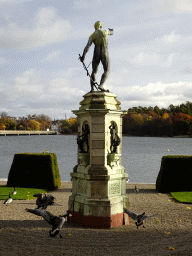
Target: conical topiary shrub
x,y
174,174
33,170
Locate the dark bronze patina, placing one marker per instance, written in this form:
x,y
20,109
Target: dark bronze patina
x,y
100,40
115,140
84,138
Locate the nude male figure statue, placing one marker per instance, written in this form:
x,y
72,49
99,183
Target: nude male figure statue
x,y
100,40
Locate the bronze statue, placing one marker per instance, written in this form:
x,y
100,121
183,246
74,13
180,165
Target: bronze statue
x,y
85,138
115,140
100,40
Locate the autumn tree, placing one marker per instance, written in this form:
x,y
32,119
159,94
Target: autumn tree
x,y
33,125
9,124
2,124
45,121
71,124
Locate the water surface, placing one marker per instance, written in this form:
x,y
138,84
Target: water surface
x,y
141,156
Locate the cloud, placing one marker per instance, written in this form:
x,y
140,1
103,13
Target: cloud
x,y
64,85
169,60
176,6
28,83
189,69
2,60
52,56
152,94
45,17
154,59
59,85
13,1
147,59
29,94
86,4
49,29
171,38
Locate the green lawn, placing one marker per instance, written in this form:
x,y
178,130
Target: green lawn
x,y
182,197
22,193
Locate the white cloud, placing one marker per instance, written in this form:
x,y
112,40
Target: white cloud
x,y
86,4
52,55
2,60
169,60
147,59
170,5
171,38
189,69
183,5
13,1
45,17
145,55
28,83
155,94
58,85
47,31
64,88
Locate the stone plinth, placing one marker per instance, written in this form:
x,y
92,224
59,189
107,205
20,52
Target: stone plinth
x,y
99,180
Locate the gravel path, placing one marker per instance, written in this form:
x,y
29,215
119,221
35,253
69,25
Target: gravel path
x,y
22,233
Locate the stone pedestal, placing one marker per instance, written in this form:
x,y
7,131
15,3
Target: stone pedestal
x,y
99,180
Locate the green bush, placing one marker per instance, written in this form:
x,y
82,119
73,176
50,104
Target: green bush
x,y
66,130
34,170
174,174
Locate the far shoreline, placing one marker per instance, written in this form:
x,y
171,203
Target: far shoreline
x,y
132,183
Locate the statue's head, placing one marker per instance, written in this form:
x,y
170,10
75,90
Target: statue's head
x,y
98,25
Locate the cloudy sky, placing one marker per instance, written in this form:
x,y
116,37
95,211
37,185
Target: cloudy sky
x,y
150,53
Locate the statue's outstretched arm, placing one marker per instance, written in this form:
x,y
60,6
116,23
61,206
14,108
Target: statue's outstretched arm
x,y
86,49
110,31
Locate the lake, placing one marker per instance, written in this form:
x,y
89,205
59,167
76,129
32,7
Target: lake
x,y
141,156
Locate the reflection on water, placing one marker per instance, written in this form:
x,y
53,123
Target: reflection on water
x,y
141,156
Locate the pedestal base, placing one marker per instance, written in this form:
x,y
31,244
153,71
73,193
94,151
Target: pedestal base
x,y
102,222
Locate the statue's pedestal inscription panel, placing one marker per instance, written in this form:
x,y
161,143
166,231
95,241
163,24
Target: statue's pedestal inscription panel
x,y
99,180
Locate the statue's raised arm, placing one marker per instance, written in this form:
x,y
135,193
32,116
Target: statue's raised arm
x,y
100,40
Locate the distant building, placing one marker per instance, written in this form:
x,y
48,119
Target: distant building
x,y
55,126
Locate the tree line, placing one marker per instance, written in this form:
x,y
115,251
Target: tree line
x,y
38,123
155,121
31,122
139,121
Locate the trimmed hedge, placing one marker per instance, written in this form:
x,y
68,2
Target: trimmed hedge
x,y
34,170
175,174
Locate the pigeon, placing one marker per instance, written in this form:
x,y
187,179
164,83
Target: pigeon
x,y
39,198
56,221
140,218
47,200
127,180
136,190
43,201
8,200
14,192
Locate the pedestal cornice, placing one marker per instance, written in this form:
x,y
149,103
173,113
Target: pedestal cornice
x,y
100,100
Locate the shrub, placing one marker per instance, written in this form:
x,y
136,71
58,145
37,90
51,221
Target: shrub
x,y
33,170
174,174
66,130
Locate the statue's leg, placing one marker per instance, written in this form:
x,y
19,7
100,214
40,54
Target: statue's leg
x,y
95,65
106,66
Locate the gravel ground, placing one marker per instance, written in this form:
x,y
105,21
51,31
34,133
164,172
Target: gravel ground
x,y
22,233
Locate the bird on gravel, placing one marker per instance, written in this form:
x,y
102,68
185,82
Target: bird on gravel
x,y
56,221
8,200
140,218
136,190
42,202
14,192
